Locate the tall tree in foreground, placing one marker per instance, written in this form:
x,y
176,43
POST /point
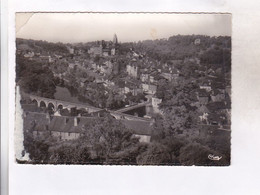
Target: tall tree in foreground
x,y
105,141
107,137
180,114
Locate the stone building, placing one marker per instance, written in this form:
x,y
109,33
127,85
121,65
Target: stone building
x,y
105,48
132,70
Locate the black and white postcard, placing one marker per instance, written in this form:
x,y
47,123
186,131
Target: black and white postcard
x,y
123,89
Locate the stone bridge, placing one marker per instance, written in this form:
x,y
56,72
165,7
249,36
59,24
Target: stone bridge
x,y
122,110
59,104
119,115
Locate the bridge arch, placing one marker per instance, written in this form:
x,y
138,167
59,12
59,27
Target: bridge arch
x,y
51,106
42,104
35,102
60,107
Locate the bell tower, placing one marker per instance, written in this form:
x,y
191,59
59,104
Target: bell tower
x,y
115,40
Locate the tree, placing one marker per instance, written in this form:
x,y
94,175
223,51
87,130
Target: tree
x,y
35,78
162,89
197,154
156,154
179,112
106,137
37,147
73,153
105,141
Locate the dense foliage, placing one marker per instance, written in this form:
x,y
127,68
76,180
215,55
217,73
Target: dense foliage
x,y
41,46
181,47
35,78
107,141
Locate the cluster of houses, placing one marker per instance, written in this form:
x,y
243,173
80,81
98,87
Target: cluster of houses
x,y
30,55
213,94
150,72
60,127
65,128
215,103
142,77
105,68
138,80
103,48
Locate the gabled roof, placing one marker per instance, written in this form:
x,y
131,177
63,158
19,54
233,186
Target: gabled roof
x,y
57,123
41,122
138,127
66,124
82,121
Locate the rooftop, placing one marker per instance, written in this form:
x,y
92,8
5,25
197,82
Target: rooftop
x,y
138,127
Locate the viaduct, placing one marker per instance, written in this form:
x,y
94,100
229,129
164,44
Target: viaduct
x,y
59,104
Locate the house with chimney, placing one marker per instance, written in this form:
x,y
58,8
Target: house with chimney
x,y
60,127
65,128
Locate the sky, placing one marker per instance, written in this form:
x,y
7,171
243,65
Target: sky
x,y
85,27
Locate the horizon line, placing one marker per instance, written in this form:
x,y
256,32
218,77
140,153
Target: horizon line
x,y
125,41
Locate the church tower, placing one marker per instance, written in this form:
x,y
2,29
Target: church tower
x,y
115,41
114,49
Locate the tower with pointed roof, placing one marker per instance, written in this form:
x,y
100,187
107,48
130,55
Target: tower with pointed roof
x,y
115,41
114,49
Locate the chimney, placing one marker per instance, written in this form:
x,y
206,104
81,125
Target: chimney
x,y
75,122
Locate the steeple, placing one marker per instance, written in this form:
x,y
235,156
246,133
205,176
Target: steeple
x,y
115,41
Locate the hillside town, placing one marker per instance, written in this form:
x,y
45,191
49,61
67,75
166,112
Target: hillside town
x,y
150,102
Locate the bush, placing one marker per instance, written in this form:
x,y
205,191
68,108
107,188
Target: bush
x,y
156,154
197,154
